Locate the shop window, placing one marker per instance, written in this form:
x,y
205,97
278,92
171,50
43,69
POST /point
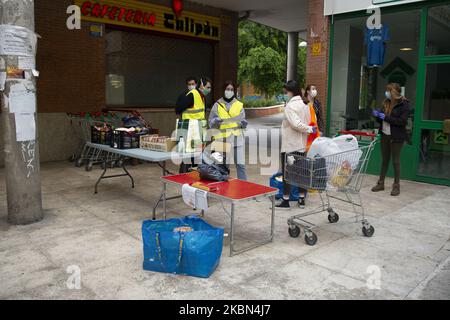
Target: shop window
x,y
145,70
437,92
438,30
434,155
358,85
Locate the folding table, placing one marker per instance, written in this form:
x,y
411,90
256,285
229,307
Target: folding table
x,y
234,191
160,158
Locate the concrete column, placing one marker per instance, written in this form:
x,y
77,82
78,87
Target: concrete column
x,y
22,168
292,55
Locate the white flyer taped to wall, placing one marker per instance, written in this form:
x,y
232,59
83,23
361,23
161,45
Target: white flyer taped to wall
x,y
17,41
27,63
25,127
2,80
22,99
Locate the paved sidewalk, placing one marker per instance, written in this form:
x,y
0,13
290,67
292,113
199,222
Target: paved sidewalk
x,y
102,235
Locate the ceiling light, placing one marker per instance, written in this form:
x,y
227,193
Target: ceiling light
x,y
406,49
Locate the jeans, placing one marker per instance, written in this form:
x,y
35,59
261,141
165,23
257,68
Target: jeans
x,y
390,149
287,186
239,160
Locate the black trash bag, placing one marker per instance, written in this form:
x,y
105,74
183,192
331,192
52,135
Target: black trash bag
x,y
133,121
214,172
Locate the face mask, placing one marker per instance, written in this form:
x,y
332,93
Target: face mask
x,y
313,93
206,91
190,88
387,94
287,97
229,94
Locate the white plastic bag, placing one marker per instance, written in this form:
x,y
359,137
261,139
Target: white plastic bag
x,y
350,144
322,147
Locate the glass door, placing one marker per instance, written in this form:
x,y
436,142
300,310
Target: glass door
x,y
432,129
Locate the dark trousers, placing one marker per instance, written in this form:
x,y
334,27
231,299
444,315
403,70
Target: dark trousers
x,y
287,186
390,149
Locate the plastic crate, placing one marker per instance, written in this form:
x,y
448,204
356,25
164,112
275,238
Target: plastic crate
x,y
125,140
157,143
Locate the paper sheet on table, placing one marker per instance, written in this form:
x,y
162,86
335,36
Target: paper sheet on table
x,y
25,127
195,198
21,99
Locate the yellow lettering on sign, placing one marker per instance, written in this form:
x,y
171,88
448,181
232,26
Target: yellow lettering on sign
x,y
153,17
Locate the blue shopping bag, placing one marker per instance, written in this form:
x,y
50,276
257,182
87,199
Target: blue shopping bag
x,y
274,183
196,253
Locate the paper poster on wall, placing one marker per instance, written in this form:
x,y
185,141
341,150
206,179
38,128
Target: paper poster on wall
x,y
17,41
27,63
22,99
2,80
25,127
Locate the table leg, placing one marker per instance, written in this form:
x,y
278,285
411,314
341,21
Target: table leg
x,y
272,226
128,174
165,200
101,176
232,230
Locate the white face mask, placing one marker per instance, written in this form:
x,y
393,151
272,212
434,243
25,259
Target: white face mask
x,y
313,93
190,88
229,94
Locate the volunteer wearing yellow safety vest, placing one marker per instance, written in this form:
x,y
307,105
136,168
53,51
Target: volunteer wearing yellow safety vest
x,y
191,106
228,119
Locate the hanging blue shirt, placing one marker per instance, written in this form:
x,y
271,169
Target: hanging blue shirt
x,y
376,47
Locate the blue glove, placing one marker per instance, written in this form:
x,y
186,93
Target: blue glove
x,y
382,116
375,113
244,124
314,130
216,122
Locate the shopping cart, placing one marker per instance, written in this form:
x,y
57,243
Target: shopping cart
x,y
342,173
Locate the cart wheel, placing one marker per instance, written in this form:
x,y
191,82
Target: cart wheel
x,y
294,232
311,240
333,218
368,232
79,163
89,166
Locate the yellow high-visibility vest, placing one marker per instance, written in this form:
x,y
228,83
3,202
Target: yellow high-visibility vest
x,y
230,125
197,112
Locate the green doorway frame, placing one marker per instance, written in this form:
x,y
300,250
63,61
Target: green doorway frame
x,y
423,61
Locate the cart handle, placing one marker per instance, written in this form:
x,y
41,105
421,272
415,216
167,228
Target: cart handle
x,y
358,133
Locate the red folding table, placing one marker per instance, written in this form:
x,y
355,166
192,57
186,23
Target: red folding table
x,y
233,191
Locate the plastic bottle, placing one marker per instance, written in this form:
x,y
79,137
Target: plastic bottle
x,y
181,146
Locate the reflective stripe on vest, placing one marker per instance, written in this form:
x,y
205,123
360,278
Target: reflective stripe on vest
x,y
197,112
229,124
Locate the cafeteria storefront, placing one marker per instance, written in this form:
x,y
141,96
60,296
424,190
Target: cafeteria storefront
x,y
417,55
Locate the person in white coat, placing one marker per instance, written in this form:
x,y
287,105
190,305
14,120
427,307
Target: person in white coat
x,y
294,135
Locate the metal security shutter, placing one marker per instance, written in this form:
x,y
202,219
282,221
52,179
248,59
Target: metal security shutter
x,y
145,70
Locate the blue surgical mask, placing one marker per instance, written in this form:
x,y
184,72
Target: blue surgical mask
x,y
206,91
287,97
387,94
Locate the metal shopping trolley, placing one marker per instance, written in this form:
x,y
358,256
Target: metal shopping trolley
x,y
331,176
